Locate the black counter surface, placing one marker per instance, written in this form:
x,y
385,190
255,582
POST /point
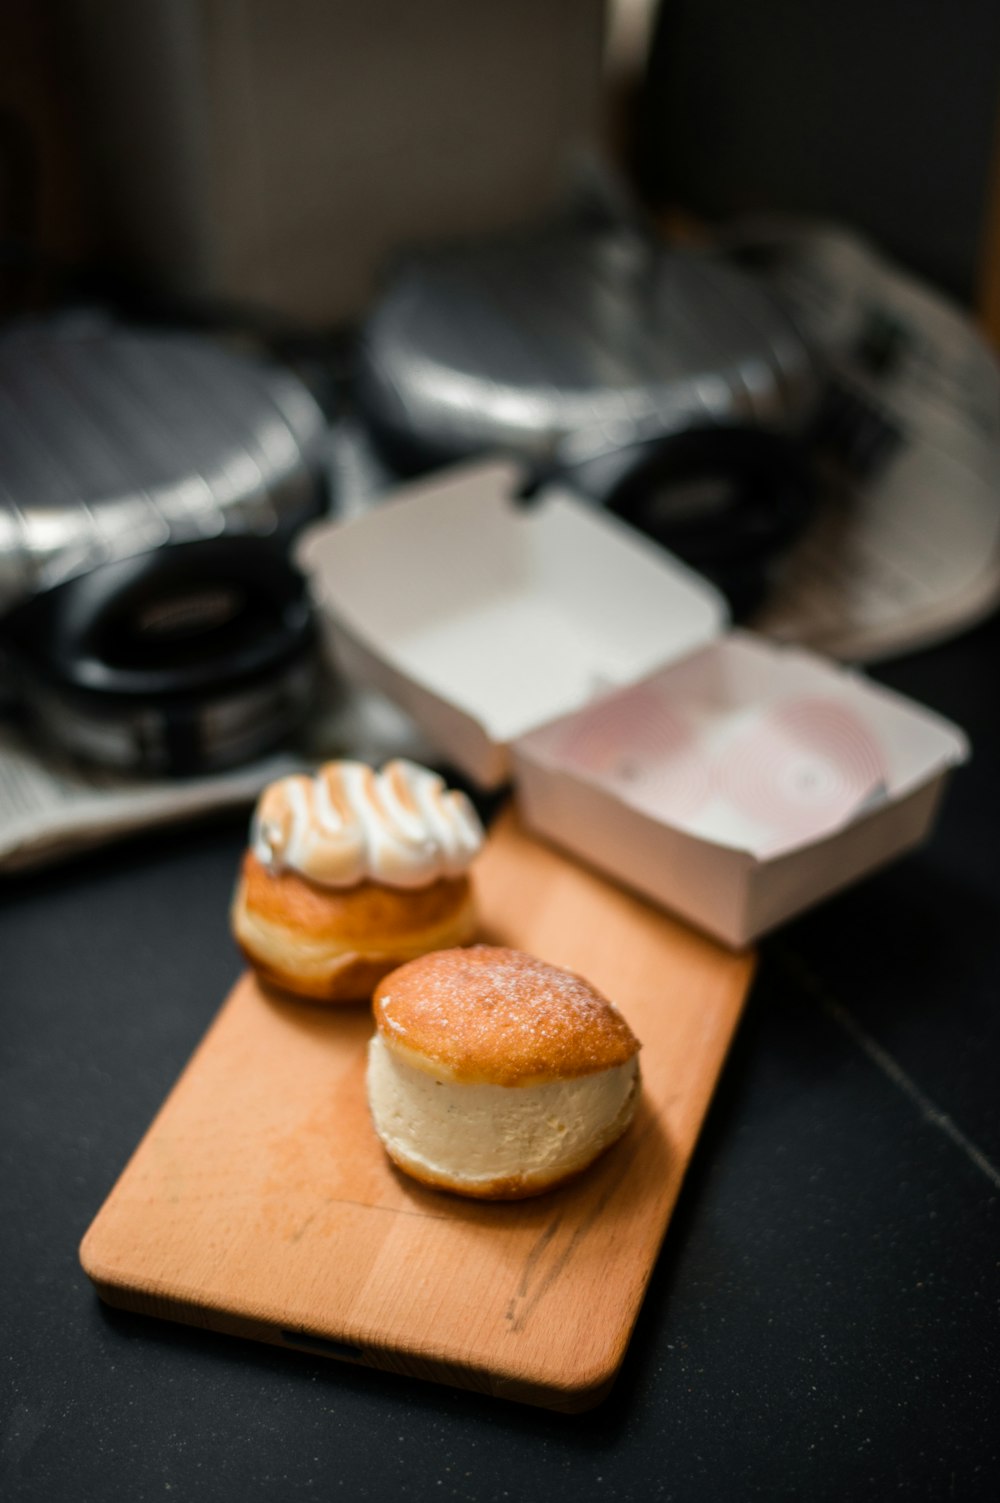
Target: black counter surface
x,y
822,1323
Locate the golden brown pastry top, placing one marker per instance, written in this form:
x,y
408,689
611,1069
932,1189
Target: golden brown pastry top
x,y
492,1015
368,915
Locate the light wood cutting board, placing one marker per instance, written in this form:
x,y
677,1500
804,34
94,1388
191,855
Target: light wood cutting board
x,y
260,1203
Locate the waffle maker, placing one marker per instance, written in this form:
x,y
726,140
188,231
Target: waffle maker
x,y
150,485
664,382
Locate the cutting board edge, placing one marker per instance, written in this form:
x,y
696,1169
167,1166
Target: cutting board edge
x,y
568,1397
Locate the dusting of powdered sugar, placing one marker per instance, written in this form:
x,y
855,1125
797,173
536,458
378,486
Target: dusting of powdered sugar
x,y
393,1023
507,1011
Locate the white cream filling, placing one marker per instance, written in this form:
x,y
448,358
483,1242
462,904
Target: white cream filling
x,y
478,1133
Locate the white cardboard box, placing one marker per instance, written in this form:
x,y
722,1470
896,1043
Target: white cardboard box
x,y
484,618
731,780
741,785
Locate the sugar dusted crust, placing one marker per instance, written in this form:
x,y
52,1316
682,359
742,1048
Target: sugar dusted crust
x,y
334,945
497,1016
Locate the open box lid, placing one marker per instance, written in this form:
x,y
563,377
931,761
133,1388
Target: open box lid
x,y
485,616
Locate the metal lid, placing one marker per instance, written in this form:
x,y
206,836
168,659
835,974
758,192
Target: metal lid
x,y
581,340
114,442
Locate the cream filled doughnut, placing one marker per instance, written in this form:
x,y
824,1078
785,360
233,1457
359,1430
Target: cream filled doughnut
x,y
495,1075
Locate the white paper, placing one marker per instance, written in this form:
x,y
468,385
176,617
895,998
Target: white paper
x,y
907,552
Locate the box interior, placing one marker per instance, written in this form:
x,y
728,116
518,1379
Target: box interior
x,y
511,614
752,747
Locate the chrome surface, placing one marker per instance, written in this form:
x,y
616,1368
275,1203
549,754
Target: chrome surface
x,y
573,344
113,442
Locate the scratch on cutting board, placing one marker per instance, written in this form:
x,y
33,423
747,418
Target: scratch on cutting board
x,y
889,1066
525,1301
373,1205
539,1245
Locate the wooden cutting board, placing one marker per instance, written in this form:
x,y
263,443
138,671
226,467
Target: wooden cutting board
x,y
260,1202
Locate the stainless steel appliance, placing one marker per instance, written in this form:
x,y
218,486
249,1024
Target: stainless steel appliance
x,y
149,486
667,383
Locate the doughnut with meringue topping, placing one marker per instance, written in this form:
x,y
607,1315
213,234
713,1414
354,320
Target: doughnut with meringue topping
x,y
351,873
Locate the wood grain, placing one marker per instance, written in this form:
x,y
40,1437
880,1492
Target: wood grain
x,y
260,1202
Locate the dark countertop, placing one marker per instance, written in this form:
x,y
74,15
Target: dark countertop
x,y
822,1323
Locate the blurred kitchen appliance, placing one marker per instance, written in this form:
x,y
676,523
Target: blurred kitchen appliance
x,y
276,153
149,487
569,346
729,501
666,382
114,441
195,657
